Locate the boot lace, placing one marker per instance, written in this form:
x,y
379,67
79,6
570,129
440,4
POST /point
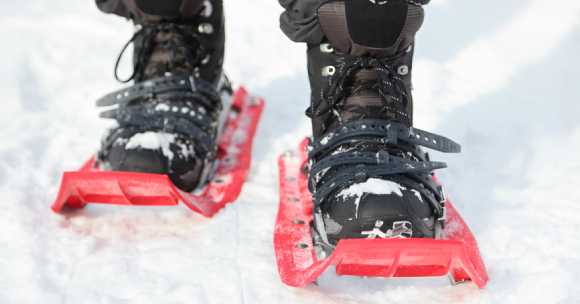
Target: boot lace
x,y
182,38
388,84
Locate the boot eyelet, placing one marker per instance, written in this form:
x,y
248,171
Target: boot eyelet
x,y
206,59
205,28
403,70
326,48
328,71
207,9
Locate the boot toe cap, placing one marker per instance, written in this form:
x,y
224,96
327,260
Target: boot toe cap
x,y
184,169
371,215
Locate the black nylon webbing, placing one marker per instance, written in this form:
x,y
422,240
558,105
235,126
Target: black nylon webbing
x,y
174,104
390,164
387,132
360,166
153,87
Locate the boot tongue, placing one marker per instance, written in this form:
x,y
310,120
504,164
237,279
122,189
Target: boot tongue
x,y
363,28
168,49
364,103
163,60
168,53
175,9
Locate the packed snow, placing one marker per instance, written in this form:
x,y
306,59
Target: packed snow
x,y
374,186
152,141
500,77
371,186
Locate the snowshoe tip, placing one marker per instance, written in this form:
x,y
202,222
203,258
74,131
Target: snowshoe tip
x,y
300,263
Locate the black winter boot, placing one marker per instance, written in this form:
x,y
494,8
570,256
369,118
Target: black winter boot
x,y
368,175
169,120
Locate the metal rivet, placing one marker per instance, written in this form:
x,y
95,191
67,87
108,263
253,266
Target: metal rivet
x,y
205,28
326,48
328,71
207,9
254,101
403,70
206,59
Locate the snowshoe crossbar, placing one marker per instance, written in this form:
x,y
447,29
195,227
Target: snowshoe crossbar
x,y
92,185
454,253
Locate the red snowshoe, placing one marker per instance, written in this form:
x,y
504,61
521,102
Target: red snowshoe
x,y
90,184
299,263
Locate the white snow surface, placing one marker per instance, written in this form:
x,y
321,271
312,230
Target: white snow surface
x,y
499,76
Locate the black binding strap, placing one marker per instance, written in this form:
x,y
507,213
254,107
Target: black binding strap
x,y
386,163
175,104
154,87
360,174
387,132
144,120
171,111
360,166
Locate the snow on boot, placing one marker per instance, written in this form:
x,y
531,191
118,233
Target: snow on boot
x,y
368,174
169,121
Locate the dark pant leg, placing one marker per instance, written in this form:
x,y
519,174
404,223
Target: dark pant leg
x,y
143,9
300,21
117,7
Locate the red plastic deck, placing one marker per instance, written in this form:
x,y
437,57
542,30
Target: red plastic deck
x,y
455,253
92,185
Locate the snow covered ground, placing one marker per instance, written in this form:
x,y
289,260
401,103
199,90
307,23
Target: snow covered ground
x,y
499,76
